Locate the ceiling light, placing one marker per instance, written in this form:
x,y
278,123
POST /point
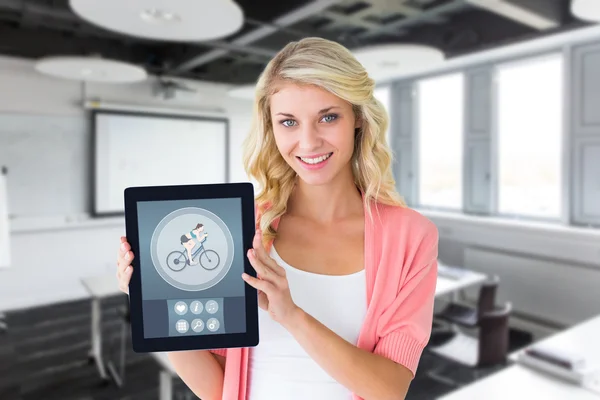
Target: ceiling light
x,y
168,20
90,69
156,16
394,60
587,10
246,92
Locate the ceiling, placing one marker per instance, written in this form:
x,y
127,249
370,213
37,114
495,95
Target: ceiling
x,y
38,28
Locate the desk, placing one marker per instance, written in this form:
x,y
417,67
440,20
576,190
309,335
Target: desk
x,y
166,375
521,382
99,287
451,280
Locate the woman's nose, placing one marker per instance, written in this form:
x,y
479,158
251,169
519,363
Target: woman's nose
x,y
309,138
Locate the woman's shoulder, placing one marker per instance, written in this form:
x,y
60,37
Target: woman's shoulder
x,y
398,219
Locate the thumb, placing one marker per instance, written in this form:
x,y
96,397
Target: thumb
x,y
263,301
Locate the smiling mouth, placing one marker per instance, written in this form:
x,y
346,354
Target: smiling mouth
x,y
315,160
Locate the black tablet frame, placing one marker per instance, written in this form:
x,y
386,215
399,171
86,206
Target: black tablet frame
x,y
243,191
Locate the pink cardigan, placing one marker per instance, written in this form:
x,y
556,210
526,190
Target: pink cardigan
x,y
401,249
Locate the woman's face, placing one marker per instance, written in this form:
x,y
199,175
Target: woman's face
x,y
314,131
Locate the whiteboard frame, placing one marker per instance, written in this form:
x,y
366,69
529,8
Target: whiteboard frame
x,y
94,113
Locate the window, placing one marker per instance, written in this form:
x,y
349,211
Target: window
x,y
529,124
440,124
383,95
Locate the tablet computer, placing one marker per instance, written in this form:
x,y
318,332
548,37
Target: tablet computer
x,y
190,244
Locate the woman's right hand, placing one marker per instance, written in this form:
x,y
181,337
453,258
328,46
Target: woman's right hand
x,y
124,268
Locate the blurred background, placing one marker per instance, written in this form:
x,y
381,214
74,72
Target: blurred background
x,y
495,128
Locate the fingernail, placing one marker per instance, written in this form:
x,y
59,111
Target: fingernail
x,y
244,276
127,256
127,270
123,246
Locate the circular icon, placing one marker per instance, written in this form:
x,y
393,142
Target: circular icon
x,y
192,249
212,306
197,325
196,307
182,326
180,307
212,324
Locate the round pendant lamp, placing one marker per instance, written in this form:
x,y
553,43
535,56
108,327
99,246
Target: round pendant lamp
x,y
90,69
165,20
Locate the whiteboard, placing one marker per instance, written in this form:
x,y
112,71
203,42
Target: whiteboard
x,y
137,149
48,161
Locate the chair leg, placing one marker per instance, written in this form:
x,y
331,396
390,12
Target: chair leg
x,y
123,350
3,324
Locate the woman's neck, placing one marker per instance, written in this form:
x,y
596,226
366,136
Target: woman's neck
x,y
326,203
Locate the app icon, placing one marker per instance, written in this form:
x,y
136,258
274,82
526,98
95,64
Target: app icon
x,y
196,307
182,326
212,306
180,307
212,324
197,325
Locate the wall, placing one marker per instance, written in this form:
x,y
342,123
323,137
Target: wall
x,y
550,274
51,254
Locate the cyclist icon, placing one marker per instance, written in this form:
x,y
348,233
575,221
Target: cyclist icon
x,y
208,259
192,248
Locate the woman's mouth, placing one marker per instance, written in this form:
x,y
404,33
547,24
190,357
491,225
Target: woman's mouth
x,y
314,162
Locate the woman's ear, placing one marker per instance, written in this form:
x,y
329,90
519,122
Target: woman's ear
x,y
358,123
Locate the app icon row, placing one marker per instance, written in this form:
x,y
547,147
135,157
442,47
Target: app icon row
x,y
197,325
196,307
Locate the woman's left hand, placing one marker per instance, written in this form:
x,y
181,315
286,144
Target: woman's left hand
x,y
272,284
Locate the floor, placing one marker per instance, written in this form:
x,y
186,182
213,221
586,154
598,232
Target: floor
x,y
44,355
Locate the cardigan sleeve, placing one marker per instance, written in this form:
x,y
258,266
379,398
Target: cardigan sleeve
x,y
405,326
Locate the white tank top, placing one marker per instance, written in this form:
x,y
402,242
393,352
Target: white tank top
x,y
279,367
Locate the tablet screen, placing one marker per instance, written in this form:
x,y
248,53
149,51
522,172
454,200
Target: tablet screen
x,y
191,262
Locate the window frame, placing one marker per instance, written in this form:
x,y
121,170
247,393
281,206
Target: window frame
x,y
567,194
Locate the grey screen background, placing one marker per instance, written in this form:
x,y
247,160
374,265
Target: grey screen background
x,y
158,294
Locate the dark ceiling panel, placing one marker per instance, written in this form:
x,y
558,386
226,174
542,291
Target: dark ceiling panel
x,y
37,28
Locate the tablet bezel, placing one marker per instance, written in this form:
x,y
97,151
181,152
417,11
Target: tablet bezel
x,y
133,195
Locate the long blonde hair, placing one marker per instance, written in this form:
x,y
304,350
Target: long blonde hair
x,y
331,66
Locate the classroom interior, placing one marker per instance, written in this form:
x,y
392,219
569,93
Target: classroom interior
x,y
494,110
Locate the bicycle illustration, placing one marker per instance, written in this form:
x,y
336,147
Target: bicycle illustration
x,y
209,259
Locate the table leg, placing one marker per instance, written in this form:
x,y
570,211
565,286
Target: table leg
x,y
96,339
166,385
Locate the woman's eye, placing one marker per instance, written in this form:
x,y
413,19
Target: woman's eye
x,y
288,122
329,117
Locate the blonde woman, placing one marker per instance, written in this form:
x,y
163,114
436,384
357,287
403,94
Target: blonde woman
x,y
346,272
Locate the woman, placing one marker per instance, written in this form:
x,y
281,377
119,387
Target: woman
x,y
189,244
346,272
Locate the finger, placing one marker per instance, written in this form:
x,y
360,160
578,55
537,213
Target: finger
x,y
124,248
125,279
263,300
262,255
259,284
261,269
125,261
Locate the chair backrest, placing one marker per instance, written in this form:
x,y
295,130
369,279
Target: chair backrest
x,y
487,295
494,336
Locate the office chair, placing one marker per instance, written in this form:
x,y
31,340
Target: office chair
x,y
118,375
3,324
125,314
488,349
467,315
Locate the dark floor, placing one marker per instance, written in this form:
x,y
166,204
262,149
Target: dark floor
x,y
44,356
